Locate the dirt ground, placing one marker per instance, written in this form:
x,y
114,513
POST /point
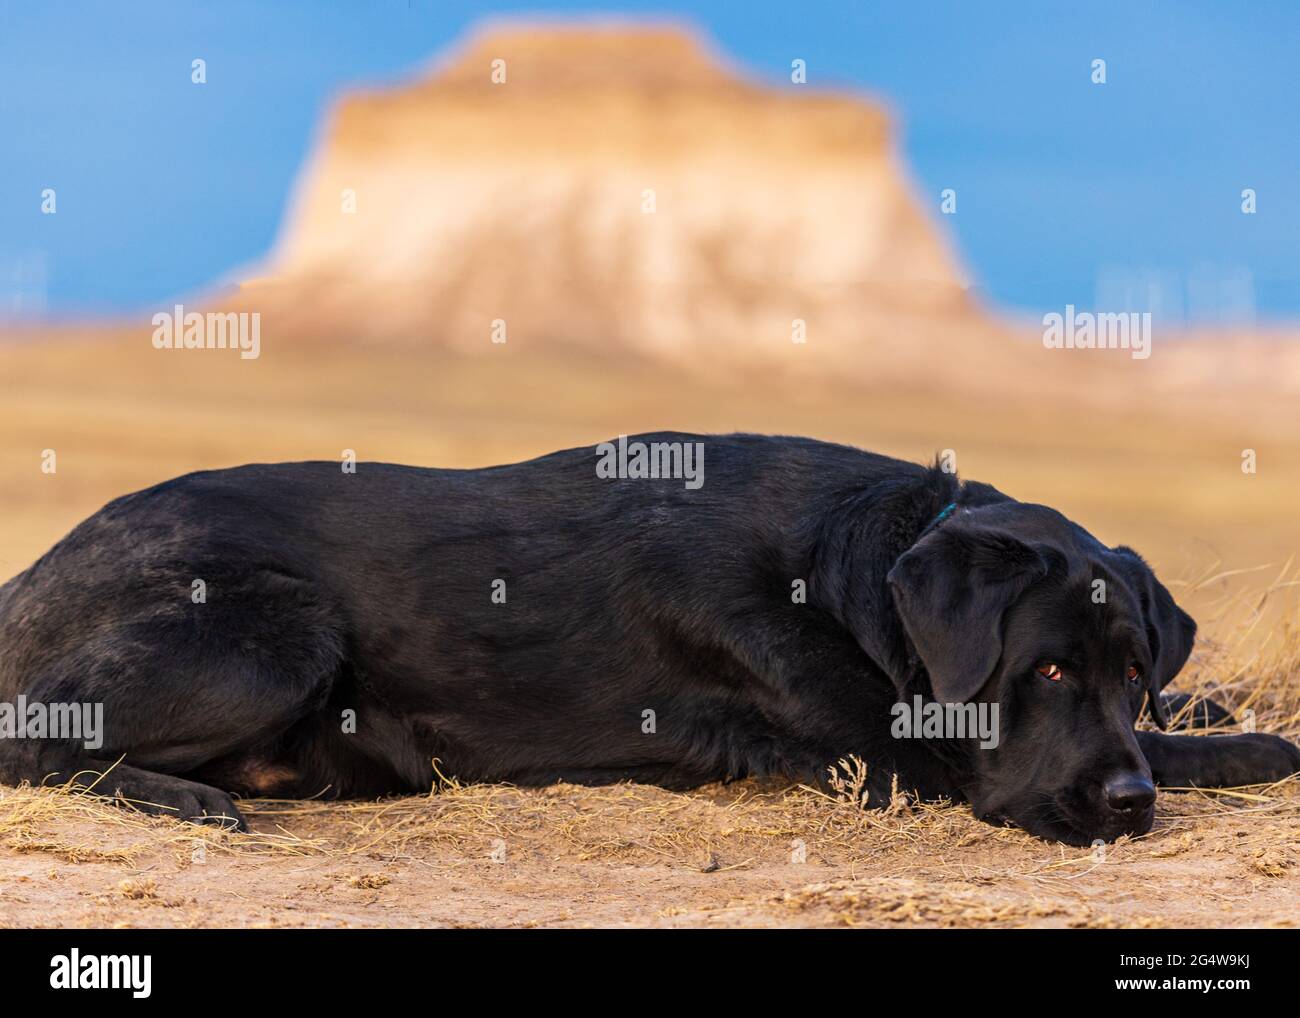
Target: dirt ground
x,y
639,856
1163,477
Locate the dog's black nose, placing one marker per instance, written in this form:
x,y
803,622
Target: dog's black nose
x,y
1129,793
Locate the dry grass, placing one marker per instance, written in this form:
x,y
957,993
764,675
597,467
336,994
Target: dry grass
x,y
612,823
31,819
1247,654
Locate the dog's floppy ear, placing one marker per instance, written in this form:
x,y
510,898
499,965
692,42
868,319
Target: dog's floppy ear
x,y
952,589
1171,632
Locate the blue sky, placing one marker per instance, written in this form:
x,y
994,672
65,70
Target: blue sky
x,y
1064,187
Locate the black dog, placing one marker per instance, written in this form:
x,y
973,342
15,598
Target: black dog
x,y
569,619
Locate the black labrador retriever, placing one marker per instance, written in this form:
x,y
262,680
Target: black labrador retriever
x,y
673,609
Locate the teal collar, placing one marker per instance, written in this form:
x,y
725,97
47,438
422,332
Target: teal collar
x,y
944,513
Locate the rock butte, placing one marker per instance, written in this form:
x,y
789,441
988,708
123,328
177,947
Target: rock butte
x,y
621,189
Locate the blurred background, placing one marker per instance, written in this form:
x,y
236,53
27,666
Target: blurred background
x,y
474,236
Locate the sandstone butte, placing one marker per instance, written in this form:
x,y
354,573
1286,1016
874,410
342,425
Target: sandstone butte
x,y
621,188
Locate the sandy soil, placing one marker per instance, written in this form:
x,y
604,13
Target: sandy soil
x,y
638,856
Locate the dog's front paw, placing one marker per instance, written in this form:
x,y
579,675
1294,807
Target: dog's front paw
x,y
1261,760
196,803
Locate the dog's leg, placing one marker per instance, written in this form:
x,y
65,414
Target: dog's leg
x,y
175,685
147,791
57,763
1203,713
1218,761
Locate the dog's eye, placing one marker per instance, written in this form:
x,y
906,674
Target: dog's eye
x,y
1134,673
1050,672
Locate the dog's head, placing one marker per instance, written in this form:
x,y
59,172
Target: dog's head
x,y
1015,605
